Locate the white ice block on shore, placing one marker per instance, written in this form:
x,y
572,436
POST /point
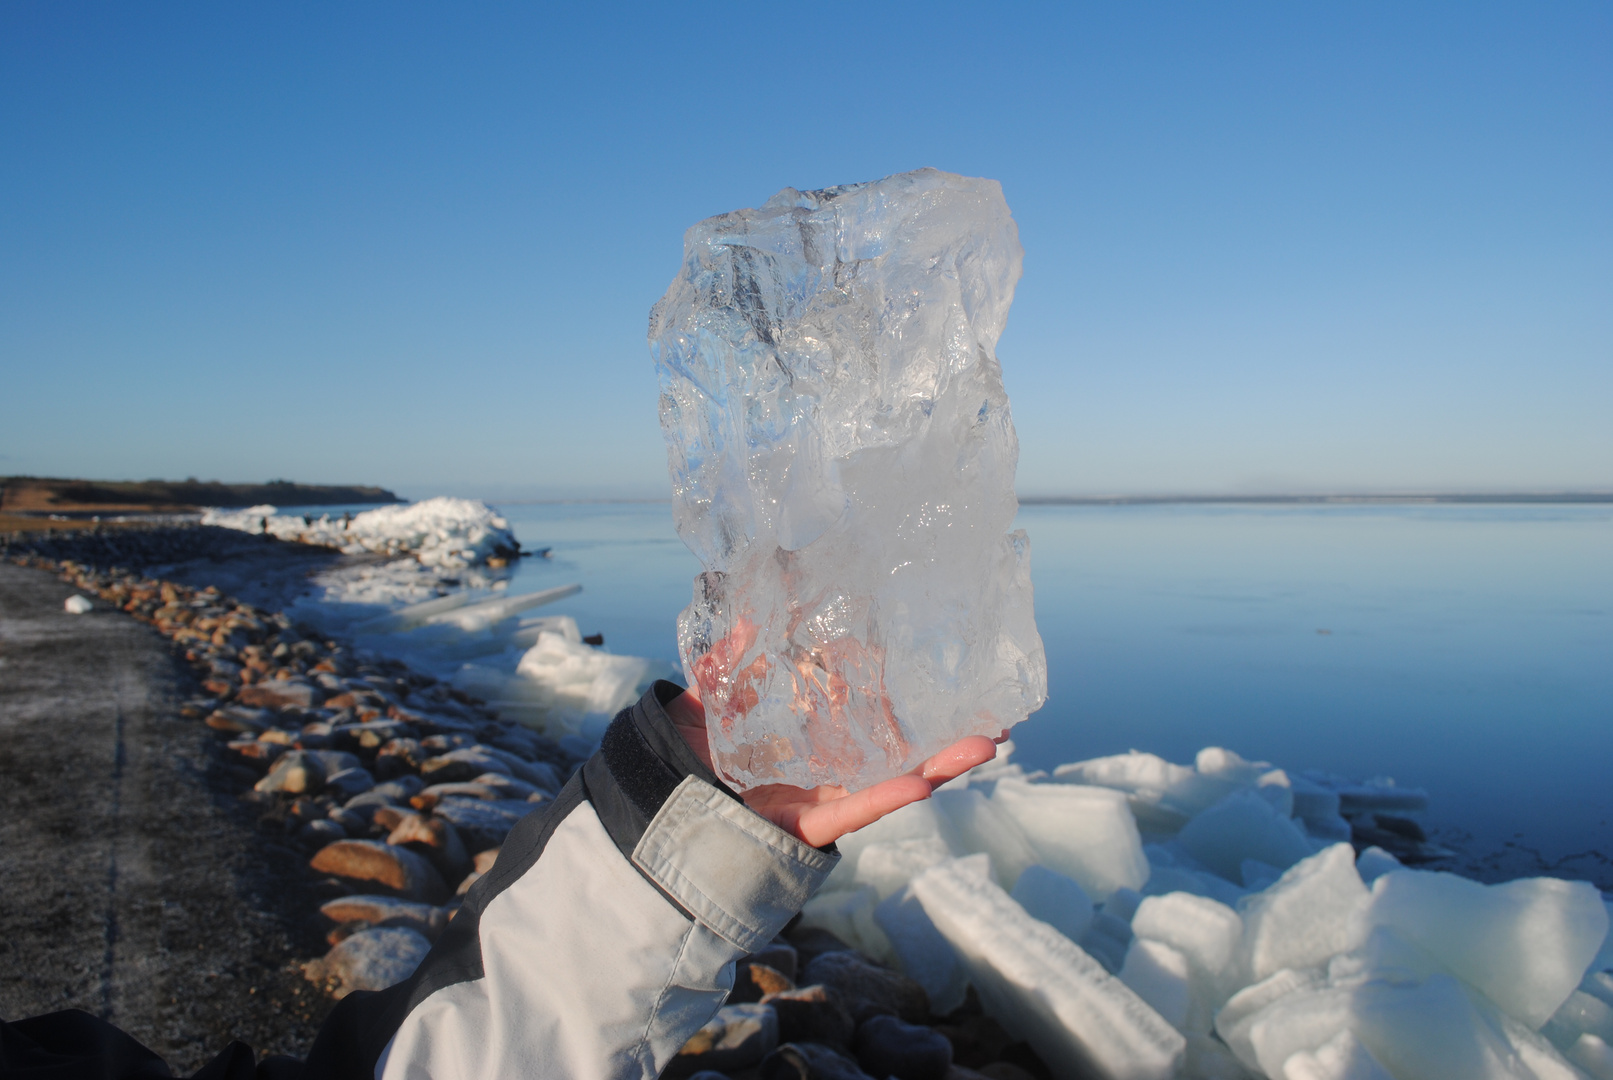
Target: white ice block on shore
x,y
485,613
921,952
1085,833
1313,912
1043,987
887,867
1244,825
1340,1058
1208,935
1524,944
974,824
1159,975
1056,900
849,916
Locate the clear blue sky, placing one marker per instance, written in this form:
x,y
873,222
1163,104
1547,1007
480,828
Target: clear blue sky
x,y
1268,247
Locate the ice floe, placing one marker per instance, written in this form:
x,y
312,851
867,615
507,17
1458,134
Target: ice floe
x,y
1130,917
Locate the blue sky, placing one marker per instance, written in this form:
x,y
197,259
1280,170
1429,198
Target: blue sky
x,y
1268,247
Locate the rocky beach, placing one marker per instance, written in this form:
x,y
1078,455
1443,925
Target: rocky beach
x,y
220,820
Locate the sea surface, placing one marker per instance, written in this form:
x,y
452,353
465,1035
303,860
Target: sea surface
x,y
1467,650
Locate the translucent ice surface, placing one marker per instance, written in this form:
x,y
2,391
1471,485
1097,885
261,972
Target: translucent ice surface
x,y
842,461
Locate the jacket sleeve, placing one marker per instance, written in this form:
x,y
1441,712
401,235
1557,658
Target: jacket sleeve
x,y
605,935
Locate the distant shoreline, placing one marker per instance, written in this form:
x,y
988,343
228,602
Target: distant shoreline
x,y
1537,498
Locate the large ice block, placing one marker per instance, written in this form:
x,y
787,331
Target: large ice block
x,y
1313,912
1042,987
842,460
1085,833
1525,944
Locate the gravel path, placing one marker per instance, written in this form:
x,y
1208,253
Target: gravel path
x,y
133,884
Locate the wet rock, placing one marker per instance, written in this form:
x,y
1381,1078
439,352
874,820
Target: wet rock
x,y
400,789
369,960
737,1037
437,840
885,1046
334,761
866,989
371,736
276,693
812,1014
347,783
366,863
753,981
297,772
808,1061
427,920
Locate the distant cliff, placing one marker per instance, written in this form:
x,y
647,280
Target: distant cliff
x,y
32,494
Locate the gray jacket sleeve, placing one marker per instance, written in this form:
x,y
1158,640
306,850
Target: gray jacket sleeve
x,y
605,935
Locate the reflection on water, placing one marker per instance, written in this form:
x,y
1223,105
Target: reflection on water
x,y
1468,650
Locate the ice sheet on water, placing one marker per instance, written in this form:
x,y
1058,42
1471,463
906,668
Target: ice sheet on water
x,y
442,531
842,459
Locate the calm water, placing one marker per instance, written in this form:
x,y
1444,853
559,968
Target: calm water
x,y
1467,650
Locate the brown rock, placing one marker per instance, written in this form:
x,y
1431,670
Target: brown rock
x,y
277,694
779,955
219,688
395,869
753,981
426,919
437,840
484,860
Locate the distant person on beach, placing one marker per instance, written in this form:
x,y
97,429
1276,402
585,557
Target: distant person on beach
x,y
602,939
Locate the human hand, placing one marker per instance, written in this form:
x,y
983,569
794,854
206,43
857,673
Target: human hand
x,y
824,814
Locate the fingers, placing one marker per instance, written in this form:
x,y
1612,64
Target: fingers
x,y
958,759
829,821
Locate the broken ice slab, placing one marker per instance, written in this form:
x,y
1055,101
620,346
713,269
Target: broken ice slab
x,y
479,616
1085,833
1043,987
1525,944
842,459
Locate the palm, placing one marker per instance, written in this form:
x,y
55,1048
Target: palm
x,y
822,815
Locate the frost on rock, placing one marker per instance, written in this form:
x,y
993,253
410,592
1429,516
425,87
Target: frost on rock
x,y
842,460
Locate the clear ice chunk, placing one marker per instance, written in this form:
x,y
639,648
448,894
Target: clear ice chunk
x,y
842,461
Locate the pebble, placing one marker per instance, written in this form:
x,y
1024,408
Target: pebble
x,y
347,783
779,955
458,766
808,1061
77,605
366,862
754,980
425,919
321,831
371,959
437,840
278,693
885,1046
297,772
482,823
737,1037
812,1014
867,989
